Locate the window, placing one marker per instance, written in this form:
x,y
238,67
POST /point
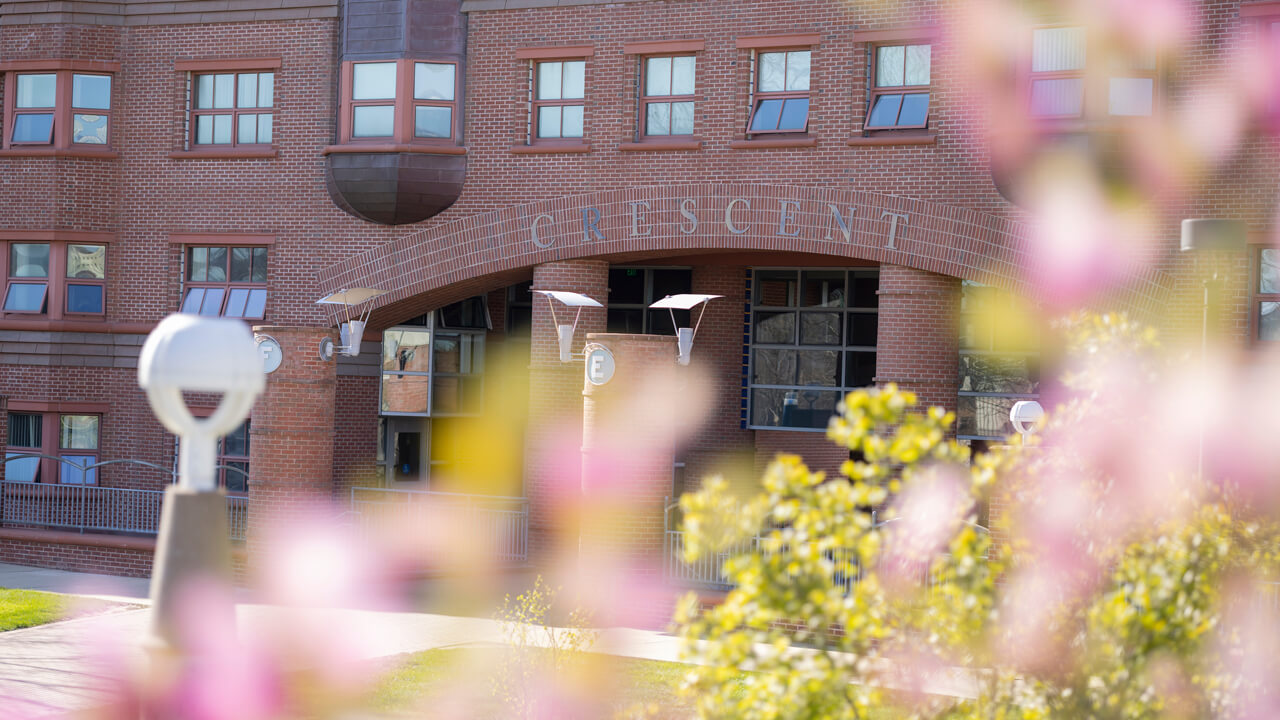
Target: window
x,y
233,460
560,90
227,281
520,310
999,362
71,438
900,91
633,290
43,113
54,279
667,105
781,102
1061,85
813,339
1266,297
233,108
437,368
401,101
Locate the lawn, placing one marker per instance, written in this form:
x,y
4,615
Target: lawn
x,y
28,608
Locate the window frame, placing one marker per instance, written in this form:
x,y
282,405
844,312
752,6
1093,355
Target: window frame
x,y
61,138
646,325
988,347
224,459
415,103
536,104
51,447
235,111
1257,297
1095,77
228,285
56,282
875,92
404,104
646,99
759,97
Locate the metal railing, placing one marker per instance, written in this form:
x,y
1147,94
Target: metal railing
x,y
92,508
499,525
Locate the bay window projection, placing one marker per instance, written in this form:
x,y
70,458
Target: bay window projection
x,y
813,339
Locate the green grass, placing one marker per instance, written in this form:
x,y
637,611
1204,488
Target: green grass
x,y
28,608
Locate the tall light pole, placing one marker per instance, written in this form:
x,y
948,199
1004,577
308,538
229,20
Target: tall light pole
x,y
195,354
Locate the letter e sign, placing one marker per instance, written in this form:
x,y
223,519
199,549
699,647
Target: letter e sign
x,y
599,365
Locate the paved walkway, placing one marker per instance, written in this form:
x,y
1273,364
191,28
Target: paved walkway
x,y
48,671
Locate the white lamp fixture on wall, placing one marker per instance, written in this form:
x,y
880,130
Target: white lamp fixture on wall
x,y
351,331
1024,415
565,332
684,335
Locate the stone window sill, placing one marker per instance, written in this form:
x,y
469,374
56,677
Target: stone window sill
x,y
930,139
769,143
59,152
549,148
395,148
660,145
223,153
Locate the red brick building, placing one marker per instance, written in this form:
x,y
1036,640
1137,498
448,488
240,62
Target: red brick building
x,y
825,167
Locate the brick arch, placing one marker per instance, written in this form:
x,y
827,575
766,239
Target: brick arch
x,y
920,234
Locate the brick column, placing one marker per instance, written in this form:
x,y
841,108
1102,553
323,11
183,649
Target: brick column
x,y
554,438
918,345
291,430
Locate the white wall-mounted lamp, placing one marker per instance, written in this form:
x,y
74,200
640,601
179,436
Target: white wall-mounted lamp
x,y
351,331
565,332
684,335
1024,415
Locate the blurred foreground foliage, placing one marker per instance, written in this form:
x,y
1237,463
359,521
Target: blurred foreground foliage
x,y
883,579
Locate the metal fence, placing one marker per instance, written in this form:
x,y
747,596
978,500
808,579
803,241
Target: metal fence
x,y
498,525
91,508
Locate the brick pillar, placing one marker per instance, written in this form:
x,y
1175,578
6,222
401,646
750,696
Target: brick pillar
x,y
554,437
918,344
628,449
291,430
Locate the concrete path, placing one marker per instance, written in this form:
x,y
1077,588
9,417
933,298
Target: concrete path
x,y
109,587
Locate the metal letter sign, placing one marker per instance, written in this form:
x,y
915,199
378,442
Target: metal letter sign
x,y
272,356
599,365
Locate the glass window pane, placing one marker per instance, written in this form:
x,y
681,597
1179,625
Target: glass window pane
x,y
863,329
819,367
657,76
266,89
25,297
259,265
24,470
374,121
1269,271
575,80
222,129
798,70
204,92
859,369
405,393
256,307
236,442
1057,96
1131,96
773,366
236,476
72,472
86,261
549,121
571,121
224,87
198,264
433,81
26,430
446,395
84,298
767,114
191,303
240,261
626,286
247,130
682,118
774,328
682,75
29,260
999,373
247,90
79,432
406,350
984,416
549,79
865,285
91,92
236,299
432,121
1269,321
619,320
204,129
775,288
915,109
884,113
90,129
889,66
657,120
33,128
660,321
670,282
793,408
820,328
1057,49
918,58
217,264
264,128
795,114
822,288
772,69
373,81
37,91
212,304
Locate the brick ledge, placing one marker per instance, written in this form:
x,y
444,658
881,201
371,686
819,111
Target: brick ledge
x,y
63,537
